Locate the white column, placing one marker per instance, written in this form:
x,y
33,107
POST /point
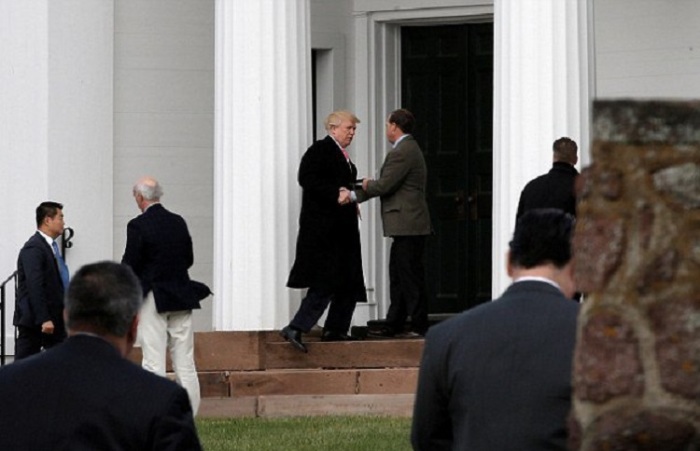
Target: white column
x,y
24,109
262,126
541,92
56,116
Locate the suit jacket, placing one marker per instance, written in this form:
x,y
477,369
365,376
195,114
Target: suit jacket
x,y
554,189
39,287
82,395
328,254
159,250
498,376
401,188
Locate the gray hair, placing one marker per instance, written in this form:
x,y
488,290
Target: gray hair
x,y
103,297
149,188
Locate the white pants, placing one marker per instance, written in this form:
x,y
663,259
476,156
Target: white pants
x,y
169,331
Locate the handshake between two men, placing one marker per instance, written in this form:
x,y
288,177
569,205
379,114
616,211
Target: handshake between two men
x,y
345,196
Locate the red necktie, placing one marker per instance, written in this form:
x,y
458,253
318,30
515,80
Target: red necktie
x,y
345,152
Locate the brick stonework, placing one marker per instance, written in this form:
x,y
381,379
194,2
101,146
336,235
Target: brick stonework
x,y
637,245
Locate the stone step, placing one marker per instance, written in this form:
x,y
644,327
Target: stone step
x,y
249,351
321,382
259,374
398,405
347,354
307,382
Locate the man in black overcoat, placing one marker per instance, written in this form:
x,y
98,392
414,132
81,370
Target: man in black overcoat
x,y
554,189
328,256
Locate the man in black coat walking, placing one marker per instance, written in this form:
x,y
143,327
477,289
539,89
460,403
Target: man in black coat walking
x,y
328,255
554,189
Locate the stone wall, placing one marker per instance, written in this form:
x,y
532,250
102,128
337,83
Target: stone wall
x,y
637,244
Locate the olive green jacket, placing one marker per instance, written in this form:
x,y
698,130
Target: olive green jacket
x,y
401,188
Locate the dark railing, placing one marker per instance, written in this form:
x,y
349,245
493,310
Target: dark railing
x,y
3,309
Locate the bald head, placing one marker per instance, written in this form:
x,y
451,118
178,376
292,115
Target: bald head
x,y
147,191
149,188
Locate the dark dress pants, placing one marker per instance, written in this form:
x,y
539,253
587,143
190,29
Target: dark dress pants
x,y
407,284
30,340
342,306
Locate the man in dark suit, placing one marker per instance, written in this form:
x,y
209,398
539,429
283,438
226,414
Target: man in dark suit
x,y
42,277
401,188
159,249
84,394
554,189
498,376
328,256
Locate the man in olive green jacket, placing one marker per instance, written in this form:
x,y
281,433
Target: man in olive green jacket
x,y
405,217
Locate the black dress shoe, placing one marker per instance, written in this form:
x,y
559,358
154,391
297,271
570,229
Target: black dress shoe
x,y
384,332
294,337
411,334
330,335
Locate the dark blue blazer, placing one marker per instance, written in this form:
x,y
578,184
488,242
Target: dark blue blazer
x,y
82,395
39,287
498,376
159,250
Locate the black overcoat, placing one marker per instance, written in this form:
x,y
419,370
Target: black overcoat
x,y
328,254
554,189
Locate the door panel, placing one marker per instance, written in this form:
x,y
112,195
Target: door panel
x,y
447,82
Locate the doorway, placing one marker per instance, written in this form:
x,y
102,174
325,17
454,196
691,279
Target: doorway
x,y
447,82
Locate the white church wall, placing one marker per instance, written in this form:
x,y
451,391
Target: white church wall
x,y
164,119
332,28
80,125
647,49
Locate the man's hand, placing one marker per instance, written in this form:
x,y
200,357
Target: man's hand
x,y
47,327
344,196
365,182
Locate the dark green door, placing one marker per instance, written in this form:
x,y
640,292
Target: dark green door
x,y
447,82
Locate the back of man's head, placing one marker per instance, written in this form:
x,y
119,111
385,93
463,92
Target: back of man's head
x,y
541,237
565,150
149,188
103,298
404,119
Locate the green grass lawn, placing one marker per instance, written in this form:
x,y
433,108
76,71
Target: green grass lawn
x,y
305,433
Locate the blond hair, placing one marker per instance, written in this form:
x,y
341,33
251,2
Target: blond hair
x,y
337,117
